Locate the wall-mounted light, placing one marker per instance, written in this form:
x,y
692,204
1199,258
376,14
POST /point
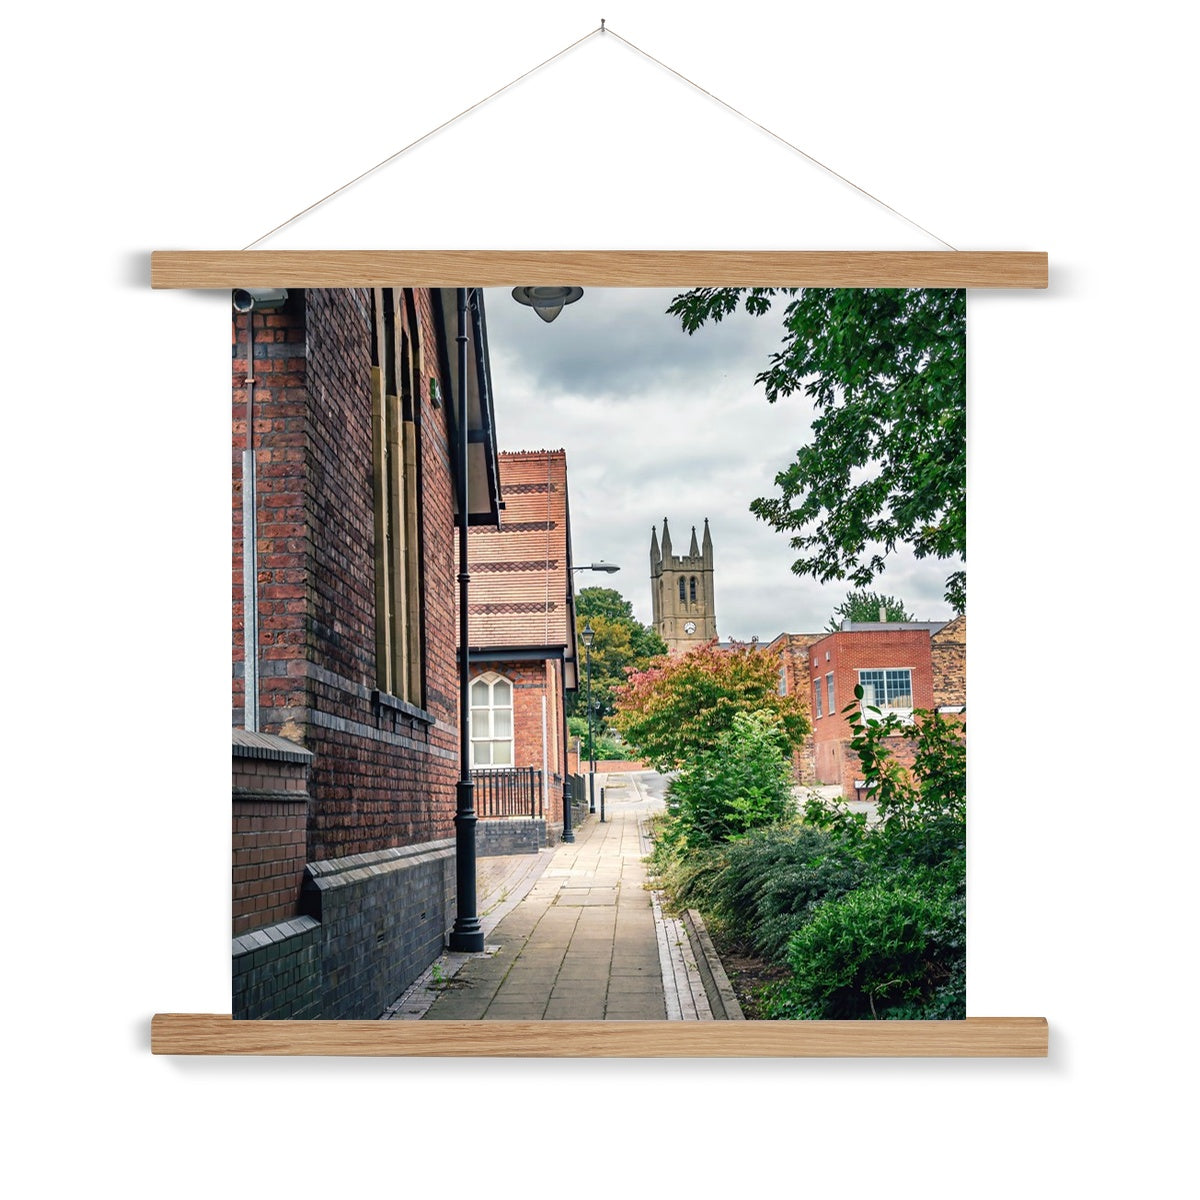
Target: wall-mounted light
x,y
547,302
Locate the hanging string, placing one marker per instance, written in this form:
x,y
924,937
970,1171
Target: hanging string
x,y
784,141
601,29
422,138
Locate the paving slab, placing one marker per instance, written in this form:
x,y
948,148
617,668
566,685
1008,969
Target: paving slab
x,y
572,932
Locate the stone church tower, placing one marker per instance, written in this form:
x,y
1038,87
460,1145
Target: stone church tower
x,y
681,590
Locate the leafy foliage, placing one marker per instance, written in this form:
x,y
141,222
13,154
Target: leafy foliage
x,y
869,917
885,369
680,706
865,606
866,953
771,882
621,644
742,782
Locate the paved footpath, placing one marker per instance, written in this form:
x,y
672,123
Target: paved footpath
x,y
571,934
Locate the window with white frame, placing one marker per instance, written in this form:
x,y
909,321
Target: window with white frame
x,y
817,694
491,721
829,689
887,689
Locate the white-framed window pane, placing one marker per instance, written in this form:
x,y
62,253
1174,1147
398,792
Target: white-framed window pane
x,y
491,721
871,683
817,696
891,688
829,689
899,689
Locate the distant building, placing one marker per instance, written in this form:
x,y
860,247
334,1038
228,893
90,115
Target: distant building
x,y
901,666
793,652
523,654
893,662
681,591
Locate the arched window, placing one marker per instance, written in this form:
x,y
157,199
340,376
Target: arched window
x,y
693,589
491,721
682,589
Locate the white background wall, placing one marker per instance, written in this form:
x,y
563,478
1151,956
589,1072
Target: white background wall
x,y
1066,128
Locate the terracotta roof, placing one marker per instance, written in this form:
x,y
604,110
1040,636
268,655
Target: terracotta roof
x,y
519,571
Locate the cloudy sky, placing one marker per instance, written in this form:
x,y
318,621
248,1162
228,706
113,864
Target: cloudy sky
x,y
659,424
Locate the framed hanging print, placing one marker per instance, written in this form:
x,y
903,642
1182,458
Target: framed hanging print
x,y
486,801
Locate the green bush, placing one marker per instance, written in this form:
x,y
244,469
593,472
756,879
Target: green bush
x,y
870,919
743,782
771,882
876,952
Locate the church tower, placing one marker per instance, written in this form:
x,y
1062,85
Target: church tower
x,y
681,591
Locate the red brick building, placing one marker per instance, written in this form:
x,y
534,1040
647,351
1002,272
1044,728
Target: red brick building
x,y
345,710
523,650
902,666
892,662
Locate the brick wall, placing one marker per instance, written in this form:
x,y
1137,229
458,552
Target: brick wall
x,y
531,682
793,651
843,654
383,771
277,972
948,651
383,918
382,775
270,817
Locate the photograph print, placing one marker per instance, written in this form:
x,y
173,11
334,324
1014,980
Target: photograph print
x,y
599,654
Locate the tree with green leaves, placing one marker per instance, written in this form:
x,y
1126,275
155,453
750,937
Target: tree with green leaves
x,y
620,644
866,606
680,706
885,369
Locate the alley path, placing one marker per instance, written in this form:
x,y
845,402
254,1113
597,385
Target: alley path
x,y
578,935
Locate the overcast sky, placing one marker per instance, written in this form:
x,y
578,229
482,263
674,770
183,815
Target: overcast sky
x,y
659,424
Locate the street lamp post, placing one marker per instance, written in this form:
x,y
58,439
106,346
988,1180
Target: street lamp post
x,y
467,934
589,635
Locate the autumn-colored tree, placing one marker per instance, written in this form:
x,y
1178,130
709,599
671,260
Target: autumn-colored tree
x,y
682,705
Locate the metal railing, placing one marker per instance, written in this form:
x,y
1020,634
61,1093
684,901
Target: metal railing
x,y
508,792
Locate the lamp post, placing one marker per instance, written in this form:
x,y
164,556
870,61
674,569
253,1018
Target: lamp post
x,y
467,934
589,635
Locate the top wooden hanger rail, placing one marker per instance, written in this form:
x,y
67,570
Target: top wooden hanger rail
x,y
599,268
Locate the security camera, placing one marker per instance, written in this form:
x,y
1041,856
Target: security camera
x,y
258,299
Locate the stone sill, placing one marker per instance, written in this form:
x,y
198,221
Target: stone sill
x,y
269,746
381,699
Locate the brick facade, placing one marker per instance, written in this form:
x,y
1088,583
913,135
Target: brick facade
x,y
794,677
533,681
843,655
522,615
383,769
948,652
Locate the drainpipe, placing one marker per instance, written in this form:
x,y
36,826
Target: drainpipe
x,y
248,301
249,547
